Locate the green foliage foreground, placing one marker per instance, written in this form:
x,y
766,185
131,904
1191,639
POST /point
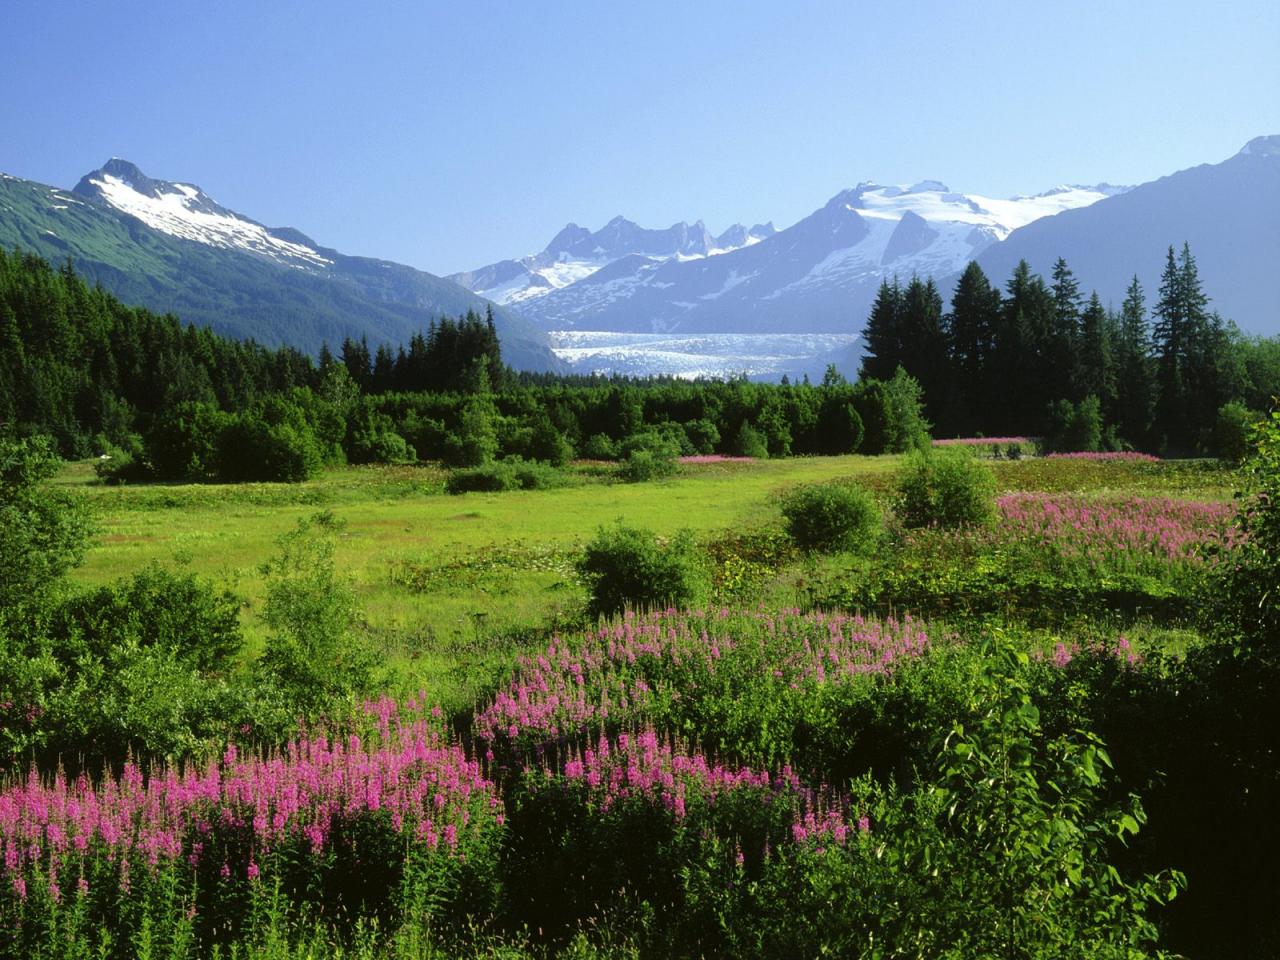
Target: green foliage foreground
x,y
997,786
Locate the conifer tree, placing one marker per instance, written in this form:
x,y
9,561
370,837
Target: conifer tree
x,y
971,329
1063,340
924,343
1135,382
1096,372
882,336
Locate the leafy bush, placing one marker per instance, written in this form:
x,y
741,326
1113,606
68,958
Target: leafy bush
x,y
628,567
906,427
142,665
1252,572
1230,439
43,532
1075,428
948,489
372,438
251,449
650,455
179,612
599,446
749,442
547,444
832,517
502,475
476,439
313,664
703,435
642,466
839,425
183,442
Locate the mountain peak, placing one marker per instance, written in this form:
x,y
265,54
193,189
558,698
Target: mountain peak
x,y
124,171
1268,146
566,238
184,210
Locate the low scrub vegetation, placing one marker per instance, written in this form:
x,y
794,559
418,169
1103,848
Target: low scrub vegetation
x,y
832,517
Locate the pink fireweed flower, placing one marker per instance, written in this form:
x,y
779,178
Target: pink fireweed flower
x,y
409,767
618,671
643,767
1125,533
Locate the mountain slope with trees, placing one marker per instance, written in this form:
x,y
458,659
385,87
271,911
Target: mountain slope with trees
x,y
237,292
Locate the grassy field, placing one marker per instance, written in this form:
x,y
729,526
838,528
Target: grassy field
x,y
443,580
449,584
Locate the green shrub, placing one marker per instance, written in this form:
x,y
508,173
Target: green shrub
x,y
832,517
43,532
1230,438
642,466
600,447
749,442
502,475
650,455
372,438
476,439
666,440
905,426
313,664
1075,428
548,444
703,435
840,427
1249,596
628,567
183,442
948,489
251,449
495,477
179,612
143,665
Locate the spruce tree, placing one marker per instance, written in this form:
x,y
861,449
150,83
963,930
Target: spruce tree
x,y
1135,382
1096,373
882,336
924,343
1063,341
971,329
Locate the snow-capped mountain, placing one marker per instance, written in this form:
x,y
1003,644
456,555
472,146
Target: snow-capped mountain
x,y
169,246
819,275
575,253
183,210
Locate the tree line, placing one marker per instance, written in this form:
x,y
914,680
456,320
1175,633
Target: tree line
x,y
171,401
1040,358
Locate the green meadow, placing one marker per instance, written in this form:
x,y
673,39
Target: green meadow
x,y
451,585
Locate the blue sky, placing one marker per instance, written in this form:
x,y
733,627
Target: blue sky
x,y
451,135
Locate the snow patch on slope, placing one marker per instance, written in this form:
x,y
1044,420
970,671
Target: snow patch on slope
x,y
172,212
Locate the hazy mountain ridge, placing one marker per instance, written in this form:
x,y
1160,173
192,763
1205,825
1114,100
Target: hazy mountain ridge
x,y
1229,212
576,253
817,276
